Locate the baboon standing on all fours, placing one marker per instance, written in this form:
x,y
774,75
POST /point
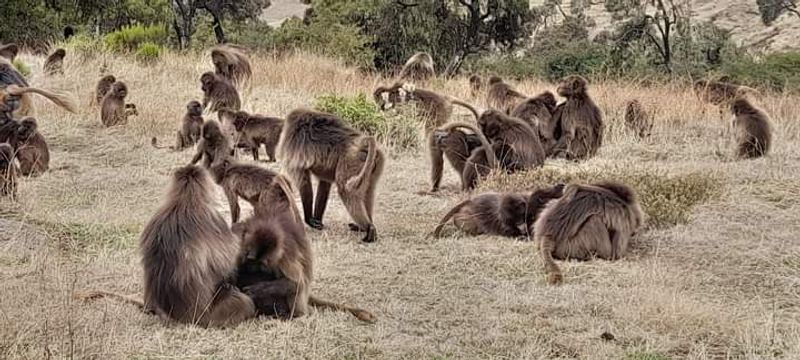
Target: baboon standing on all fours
x,y
589,221
219,93
321,144
189,255
435,109
231,63
637,118
55,62
752,128
580,119
719,93
501,96
8,171
418,68
254,130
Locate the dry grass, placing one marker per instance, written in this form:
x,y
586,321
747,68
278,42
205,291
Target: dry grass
x,y
722,283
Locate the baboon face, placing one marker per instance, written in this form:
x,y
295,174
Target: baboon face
x,y
239,120
119,90
131,109
572,85
548,99
741,106
194,108
27,128
207,81
494,80
211,131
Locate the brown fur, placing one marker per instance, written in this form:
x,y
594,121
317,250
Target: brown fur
x,y
435,109
25,102
8,171
638,119
588,221
418,68
241,180
502,96
213,145
219,93
33,154
321,144
579,119
55,62
113,110
191,126
189,255
9,51
523,150
752,128
719,93
231,63
475,85
456,145
538,113
102,88
255,130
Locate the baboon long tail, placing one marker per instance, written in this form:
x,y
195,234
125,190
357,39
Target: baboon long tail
x,y
467,106
360,314
92,295
437,231
369,165
546,248
59,99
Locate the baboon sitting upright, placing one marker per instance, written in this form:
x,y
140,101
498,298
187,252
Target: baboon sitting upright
x,y
580,120
55,62
752,128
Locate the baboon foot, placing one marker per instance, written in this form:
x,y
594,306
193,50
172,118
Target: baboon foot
x,y
555,278
315,224
371,235
355,227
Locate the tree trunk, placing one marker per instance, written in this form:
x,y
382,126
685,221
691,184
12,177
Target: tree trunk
x,y
184,11
218,32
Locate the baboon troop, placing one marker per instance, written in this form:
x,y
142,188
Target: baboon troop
x,y
219,93
752,129
254,130
637,118
55,62
231,63
8,171
580,119
321,144
113,109
597,220
418,68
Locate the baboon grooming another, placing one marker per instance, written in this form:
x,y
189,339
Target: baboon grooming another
x,y
435,109
241,180
637,119
103,87
752,128
538,113
596,220
33,154
501,96
418,68
219,93
276,262
55,62
456,145
322,145
8,171
255,130
189,255
213,146
523,148
231,63
580,119
191,125
113,109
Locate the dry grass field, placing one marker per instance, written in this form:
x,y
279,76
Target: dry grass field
x,y
716,274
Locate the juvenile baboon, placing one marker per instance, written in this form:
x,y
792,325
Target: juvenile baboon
x,y
435,109
456,145
191,125
213,145
254,130
502,96
231,63
189,256
580,120
241,180
276,262
589,221
524,150
752,128
320,144
113,110
538,113
55,62
23,104
8,171
33,154
475,85
103,87
418,68
637,118
219,93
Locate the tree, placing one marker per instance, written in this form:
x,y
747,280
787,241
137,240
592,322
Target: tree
x,y
186,10
666,16
770,10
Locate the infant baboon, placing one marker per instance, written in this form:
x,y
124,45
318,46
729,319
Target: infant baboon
x,y
435,109
418,68
191,126
320,144
475,85
189,255
8,171
538,113
255,130
231,63
213,145
456,145
113,109
241,180
589,221
219,93
637,119
502,96
55,62
523,148
103,87
33,154
752,128
580,120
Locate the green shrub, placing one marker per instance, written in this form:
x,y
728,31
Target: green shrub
x,y
583,59
148,52
776,71
130,37
23,68
666,199
396,130
344,42
506,66
84,44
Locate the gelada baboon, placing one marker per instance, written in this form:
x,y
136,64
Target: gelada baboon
x,y
113,109
475,85
321,144
637,118
502,96
8,171
55,62
589,221
102,88
752,128
720,93
241,180
231,63
33,154
538,113
219,93
22,104
435,109
253,130
580,119
537,202
523,148
418,68
189,256
452,142
213,145
276,262
191,126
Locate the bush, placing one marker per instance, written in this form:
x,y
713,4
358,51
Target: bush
x,y
148,52
335,40
130,37
583,59
23,68
85,44
506,66
397,130
666,199
776,71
